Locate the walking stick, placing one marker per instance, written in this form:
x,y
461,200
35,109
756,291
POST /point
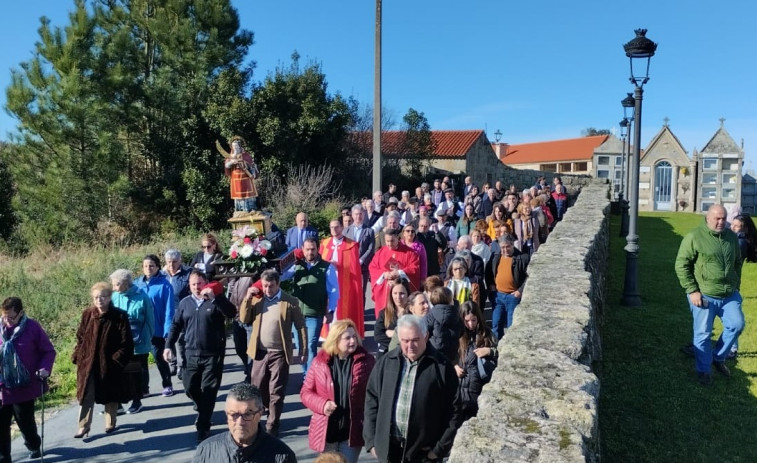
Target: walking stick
x,y
42,382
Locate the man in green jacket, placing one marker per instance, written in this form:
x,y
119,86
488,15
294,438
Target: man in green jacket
x,y
708,266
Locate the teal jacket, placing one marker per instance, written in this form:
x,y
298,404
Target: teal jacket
x,y
141,316
709,262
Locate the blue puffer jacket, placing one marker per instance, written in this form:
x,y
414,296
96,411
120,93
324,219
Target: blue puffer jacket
x,y
141,316
160,292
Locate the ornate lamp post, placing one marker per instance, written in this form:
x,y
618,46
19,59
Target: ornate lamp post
x,y
623,183
640,50
628,104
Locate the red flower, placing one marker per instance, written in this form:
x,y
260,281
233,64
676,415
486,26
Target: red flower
x,y
234,254
299,254
263,251
247,240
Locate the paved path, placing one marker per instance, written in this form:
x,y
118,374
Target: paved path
x,y
164,430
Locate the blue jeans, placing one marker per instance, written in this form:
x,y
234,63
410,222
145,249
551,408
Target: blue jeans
x,y
313,325
729,311
502,316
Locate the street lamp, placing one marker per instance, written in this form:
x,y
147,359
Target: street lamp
x,y
623,183
497,136
638,50
628,104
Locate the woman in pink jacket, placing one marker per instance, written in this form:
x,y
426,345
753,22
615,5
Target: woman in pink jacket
x,y
334,390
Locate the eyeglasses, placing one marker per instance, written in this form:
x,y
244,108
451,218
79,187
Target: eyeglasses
x,y
11,317
247,416
210,246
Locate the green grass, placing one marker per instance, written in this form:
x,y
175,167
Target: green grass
x,y
651,407
54,287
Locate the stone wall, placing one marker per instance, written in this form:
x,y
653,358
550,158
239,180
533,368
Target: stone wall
x,y
483,166
541,404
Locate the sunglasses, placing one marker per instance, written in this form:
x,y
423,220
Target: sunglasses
x,y
207,247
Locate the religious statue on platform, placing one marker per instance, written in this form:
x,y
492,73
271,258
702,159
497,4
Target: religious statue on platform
x,y
241,168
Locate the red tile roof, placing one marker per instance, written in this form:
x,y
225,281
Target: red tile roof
x,y
447,143
570,149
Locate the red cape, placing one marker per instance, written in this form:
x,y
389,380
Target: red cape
x,y
350,277
385,258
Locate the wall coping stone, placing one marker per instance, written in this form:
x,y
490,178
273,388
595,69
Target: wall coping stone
x,y
541,404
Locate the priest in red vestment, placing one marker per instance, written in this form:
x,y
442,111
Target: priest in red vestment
x,y
392,262
344,255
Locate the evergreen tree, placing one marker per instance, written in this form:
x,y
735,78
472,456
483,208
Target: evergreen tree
x,y
111,116
418,145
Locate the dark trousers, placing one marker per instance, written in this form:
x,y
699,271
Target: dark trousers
x,y
179,361
135,371
241,335
270,373
202,379
366,281
24,414
158,345
397,453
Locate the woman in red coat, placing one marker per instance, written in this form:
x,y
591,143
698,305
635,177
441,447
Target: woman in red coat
x,y
334,390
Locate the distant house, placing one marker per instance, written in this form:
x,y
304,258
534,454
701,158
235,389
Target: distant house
x,y
608,163
452,149
719,171
749,193
666,175
569,156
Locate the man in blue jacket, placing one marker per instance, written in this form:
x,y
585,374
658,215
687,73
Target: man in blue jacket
x,y
297,234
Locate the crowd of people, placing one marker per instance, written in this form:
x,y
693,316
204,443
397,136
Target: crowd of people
x,y
432,260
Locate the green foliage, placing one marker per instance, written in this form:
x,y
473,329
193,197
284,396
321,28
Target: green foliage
x,y
296,120
7,190
418,145
591,132
111,115
54,285
652,408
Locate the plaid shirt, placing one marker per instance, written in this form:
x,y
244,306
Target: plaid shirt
x,y
404,398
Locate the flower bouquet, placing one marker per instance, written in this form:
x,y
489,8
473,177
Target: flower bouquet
x,y
248,250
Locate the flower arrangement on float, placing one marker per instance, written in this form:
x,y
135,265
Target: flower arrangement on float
x,y
248,250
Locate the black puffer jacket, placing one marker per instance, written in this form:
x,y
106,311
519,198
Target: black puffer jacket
x,y
473,381
444,329
265,449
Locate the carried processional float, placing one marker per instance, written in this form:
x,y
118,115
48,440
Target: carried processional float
x,y
256,244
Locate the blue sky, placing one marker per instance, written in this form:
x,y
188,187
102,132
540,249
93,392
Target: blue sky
x,y
536,70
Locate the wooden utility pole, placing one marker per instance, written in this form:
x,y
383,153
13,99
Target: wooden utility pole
x,y
377,104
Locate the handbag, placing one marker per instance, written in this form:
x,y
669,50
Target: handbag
x,y
136,330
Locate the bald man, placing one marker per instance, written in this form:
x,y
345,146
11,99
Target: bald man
x,y
708,266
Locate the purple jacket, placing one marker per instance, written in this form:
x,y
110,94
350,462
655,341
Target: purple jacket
x,y
35,351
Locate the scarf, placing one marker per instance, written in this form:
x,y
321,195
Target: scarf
x,y
461,289
12,372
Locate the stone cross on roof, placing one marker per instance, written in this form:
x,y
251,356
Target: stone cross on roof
x,y
665,121
722,121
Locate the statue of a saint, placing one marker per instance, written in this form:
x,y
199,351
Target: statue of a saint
x,y
240,167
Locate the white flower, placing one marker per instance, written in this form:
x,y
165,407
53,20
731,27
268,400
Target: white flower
x,y
246,251
265,244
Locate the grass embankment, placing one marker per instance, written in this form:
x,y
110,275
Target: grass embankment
x,y
651,407
54,287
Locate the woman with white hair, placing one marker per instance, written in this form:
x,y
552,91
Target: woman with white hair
x,y
127,297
